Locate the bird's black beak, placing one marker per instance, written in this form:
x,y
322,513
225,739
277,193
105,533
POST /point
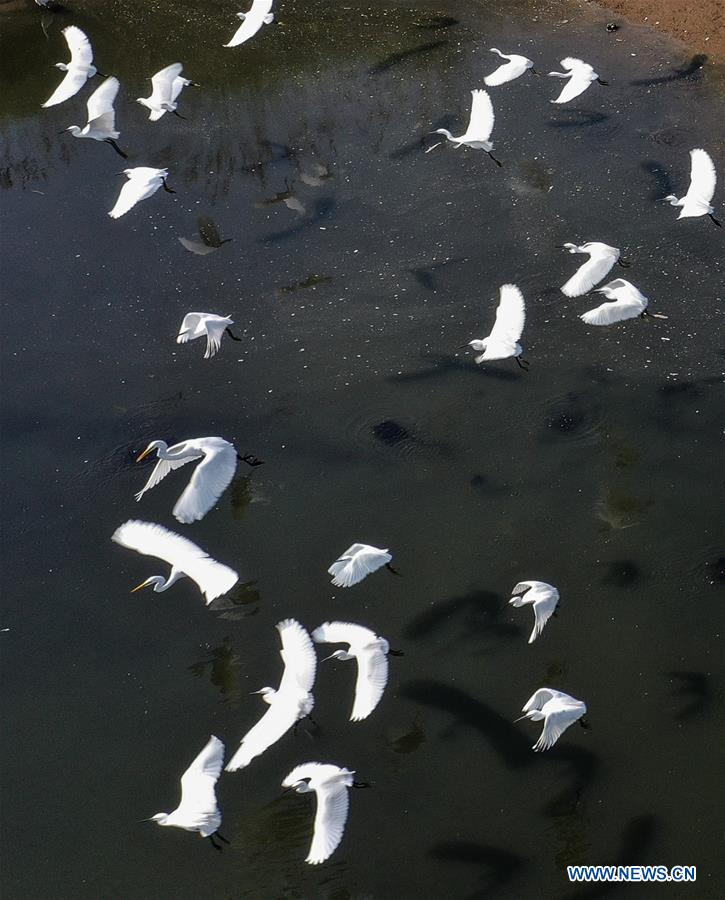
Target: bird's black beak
x,y
462,347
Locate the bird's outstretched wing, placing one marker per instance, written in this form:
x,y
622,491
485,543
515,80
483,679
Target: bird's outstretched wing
x,y
188,329
521,588
555,725
330,818
69,87
542,696
480,125
372,676
702,177
100,104
210,479
506,72
198,797
273,725
298,654
343,633
137,188
162,81
356,564
543,611
590,273
214,334
81,52
258,15
162,469
510,316
614,311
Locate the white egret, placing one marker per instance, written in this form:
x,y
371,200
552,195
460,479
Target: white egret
x,y
370,651
629,302
601,259
291,702
580,74
198,810
508,71
210,479
544,599
101,125
503,343
184,557
480,126
143,182
558,710
358,561
78,70
259,14
209,325
697,200
331,784
166,85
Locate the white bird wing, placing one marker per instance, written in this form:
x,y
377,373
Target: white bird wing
x,y
372,676
162,469
343,633
543,611
253,21
210,479
69,87
590,273
614,311
138,187
189,329
212,577
161,84
355,565
100,103
579,79
542,696
520,587
274,724
332,808
506,72
509,324
298,653
214,333
480,125
555,725
702,177
198,796
177,86
81,52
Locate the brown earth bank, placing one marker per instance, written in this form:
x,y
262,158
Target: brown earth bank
x,y
698,23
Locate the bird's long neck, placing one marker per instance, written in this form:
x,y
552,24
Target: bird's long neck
x,y
175,575
75,130
181,453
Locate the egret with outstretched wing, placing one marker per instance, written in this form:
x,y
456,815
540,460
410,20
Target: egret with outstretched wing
x,y
356,563
143,182
166,85
208,325
101,125
259,14
544,599
557,709
503,341
698,199
78,70
601,259
514,67
580,74
628,303
480,126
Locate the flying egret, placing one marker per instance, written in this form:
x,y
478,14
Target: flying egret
x,y
503,343
210,479
558,710
601,259
166,86
629,302
211,239
258,15
101,124
480,126
78,70
358,561
370,651
291,702
184,557
697,200
330,783
198,810
508,71
544,599
209,325
580,75
143,182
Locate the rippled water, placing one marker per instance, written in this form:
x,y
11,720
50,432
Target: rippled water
x,y
357,264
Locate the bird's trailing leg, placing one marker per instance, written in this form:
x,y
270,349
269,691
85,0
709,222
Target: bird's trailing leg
x,y
248,458
584,724
719,224
116,148
221,837
166,187
100,74
230,332
395,653
360,784
624,263
522,363
499,164
601,81
214,843
391,569
178,114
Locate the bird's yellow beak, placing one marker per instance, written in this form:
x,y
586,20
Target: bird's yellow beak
x,y
139,586
143,455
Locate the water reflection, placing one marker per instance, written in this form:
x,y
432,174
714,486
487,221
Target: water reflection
x,y
221,665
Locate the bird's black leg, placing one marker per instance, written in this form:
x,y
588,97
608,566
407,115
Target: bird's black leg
x,y
360,784
584,724
522,363
166,187
249,459
221,837
719,224
625,264
309,716
395,652
178,114
116,148
100,74
494,159
214,843
391,569
601,81
229,330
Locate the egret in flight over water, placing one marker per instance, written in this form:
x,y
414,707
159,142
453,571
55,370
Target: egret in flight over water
x,y
371,654
601,259
143,182
210,479
558,710
331,784
78,70
697,200
544,599
503,341
101,124
480,126
515,67
198,810
580,74
291,702
185,558
166,85
259,14
357,562
629,302
208,325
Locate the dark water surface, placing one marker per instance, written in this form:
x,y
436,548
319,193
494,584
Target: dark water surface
x,y
600,470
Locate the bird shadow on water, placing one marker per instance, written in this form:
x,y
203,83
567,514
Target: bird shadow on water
x,y
691,70
578,118
396,59
442,365
321,210
476,612
662,181
693,687
499,865
622,573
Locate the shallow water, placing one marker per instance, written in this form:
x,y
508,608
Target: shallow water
x,y
599,470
